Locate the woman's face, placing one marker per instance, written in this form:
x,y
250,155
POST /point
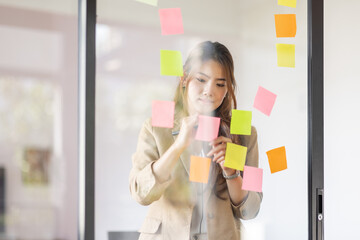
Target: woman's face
x,y
207,88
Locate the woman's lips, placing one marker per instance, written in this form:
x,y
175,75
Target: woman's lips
x,y
206,101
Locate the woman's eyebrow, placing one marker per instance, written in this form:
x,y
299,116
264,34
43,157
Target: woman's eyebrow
x,y
221,79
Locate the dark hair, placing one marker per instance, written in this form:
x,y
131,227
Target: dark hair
x,y
219,53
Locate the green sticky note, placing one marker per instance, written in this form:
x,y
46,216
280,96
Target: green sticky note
x,y
150,2
235,156
240,122
285,55
171,63
288,3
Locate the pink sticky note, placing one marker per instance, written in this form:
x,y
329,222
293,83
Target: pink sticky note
x,y
264,100
163,114
171,21
252,179
208,128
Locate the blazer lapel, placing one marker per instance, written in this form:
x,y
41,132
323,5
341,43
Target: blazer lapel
x,y
211,182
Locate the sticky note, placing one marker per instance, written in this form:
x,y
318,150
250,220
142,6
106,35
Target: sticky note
x,y
288,3
235,156
277,159
252,179
149,2
285,25
285,55
171,63
163,114
208,128
199,169
264,101
240,122
171,21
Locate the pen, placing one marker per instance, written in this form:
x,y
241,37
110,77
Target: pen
x,y
174,133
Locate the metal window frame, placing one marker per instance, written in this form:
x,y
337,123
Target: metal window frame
x,y
86,75
316,119
87,66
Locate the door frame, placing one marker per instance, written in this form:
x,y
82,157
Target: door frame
x,y
87,66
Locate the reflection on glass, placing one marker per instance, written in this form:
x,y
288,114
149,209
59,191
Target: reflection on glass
x,y
38,124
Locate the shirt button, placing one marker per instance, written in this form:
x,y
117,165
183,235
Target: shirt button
x,y
244,212
210,215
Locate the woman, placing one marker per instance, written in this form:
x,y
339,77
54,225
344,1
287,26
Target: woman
x,y
180,209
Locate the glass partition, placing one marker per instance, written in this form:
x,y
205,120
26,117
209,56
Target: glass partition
x,y
129,40
38,120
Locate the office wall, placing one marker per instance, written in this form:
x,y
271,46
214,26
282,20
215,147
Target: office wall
x,y
342,117
38,111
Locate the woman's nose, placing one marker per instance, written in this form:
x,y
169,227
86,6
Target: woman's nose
x,y
208,89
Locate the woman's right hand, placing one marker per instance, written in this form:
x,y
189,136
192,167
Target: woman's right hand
x,y
187,132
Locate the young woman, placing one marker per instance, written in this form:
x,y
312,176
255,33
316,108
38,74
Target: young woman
x,y
180,209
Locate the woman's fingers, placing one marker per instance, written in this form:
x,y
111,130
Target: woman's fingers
x,y
216,149
219,140
186,133
189,122
193,120
219,148
219,159
219,156
221,163
228,171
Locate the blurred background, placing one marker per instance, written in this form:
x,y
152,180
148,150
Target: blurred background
x,y
39,110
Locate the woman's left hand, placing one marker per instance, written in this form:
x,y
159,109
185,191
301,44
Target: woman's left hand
x,y
218,152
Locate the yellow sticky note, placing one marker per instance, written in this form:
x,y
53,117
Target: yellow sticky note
x,y
285,25
149,2
288,3
240,122
277,159
235,156
285,55
171,63
199,169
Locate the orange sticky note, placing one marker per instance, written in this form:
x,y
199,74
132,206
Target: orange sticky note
x,y
199,169
235,156
285,25
252,179
277,159
163,114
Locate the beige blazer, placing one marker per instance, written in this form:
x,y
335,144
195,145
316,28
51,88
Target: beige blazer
x,y
171,203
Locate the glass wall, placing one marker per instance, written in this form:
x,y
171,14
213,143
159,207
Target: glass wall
x,y
38,120
129,41
342,87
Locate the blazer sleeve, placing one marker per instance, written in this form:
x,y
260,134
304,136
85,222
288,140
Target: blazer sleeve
x,y
144,187
250,206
